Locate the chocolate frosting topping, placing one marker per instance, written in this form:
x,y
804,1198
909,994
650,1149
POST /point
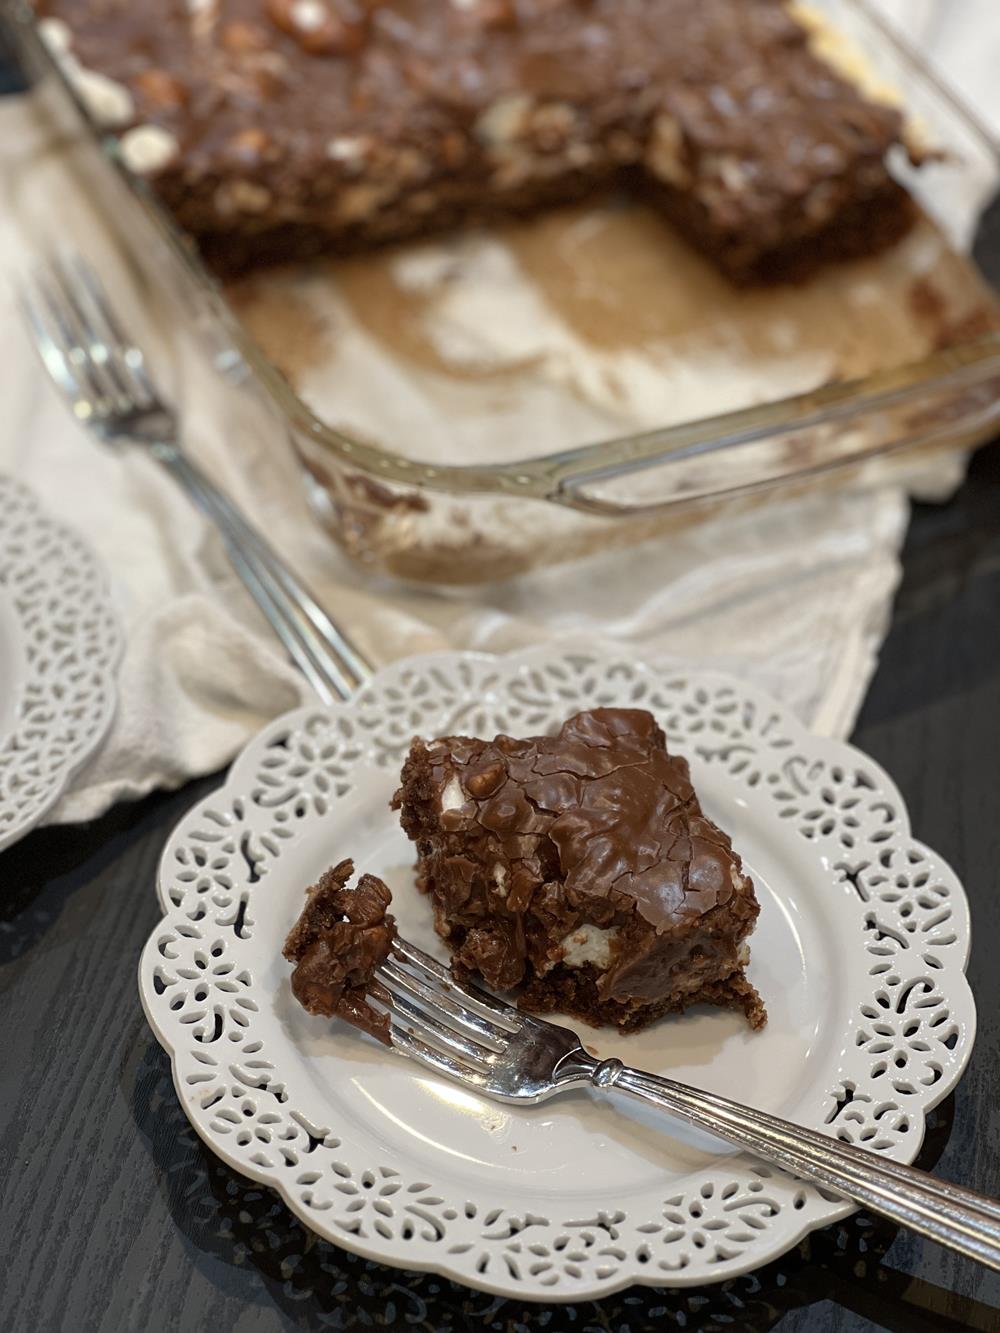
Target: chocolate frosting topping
x,y
339,940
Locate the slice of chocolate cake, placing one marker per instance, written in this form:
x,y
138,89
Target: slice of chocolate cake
x,y
581,868
339,940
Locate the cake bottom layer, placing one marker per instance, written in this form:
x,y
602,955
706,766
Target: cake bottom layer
x,y
232,246
791,247
786,248
573,991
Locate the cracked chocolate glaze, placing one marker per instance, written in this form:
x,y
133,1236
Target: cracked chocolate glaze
x,y
304,125
339,940
521,843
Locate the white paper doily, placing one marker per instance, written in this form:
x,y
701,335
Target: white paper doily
x,y
859,954
59,648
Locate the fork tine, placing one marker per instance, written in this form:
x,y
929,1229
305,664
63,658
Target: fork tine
x,y
488,1005
48,342
439,1002
92,346
92,389
126,355
430,1028
442,1064
91,401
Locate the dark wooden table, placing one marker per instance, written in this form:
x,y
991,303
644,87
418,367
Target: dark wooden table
x,y
114,1217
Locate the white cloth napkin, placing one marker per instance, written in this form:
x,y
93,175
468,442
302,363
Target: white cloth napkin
x,y
795,598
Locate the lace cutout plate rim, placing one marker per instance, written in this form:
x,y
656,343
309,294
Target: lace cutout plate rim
x,y
859,953
60,645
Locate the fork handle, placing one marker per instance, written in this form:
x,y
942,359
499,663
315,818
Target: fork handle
x,y
322,652
958,1218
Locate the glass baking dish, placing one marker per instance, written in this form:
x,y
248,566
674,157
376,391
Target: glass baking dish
x,y
467,408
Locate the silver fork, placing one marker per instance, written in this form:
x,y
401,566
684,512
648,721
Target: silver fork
x,y
470,1036
102,373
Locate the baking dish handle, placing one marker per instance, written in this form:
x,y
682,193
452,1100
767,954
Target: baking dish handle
x,y
951,401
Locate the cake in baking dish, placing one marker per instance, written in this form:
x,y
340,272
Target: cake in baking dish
x,y
282,129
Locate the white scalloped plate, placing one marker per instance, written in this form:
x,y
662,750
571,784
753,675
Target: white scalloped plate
x,y
60,643
859,953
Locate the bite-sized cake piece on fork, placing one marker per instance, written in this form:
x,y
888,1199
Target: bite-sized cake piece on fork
x,y
340,938
581,868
